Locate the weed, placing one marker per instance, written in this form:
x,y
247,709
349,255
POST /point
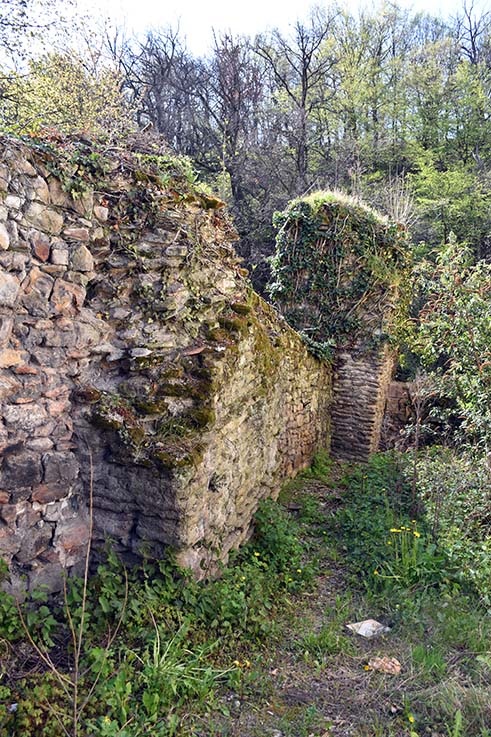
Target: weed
x,y
321,467
429,662
328,641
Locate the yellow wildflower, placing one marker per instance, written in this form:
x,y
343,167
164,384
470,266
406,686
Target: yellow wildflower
x,y
416,533
396,529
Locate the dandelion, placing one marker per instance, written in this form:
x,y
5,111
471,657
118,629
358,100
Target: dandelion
x,y
366,667
256,554
396,529
299,570
416,533
411,719
237,663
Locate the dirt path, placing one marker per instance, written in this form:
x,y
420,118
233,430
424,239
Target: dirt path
x,y
314,680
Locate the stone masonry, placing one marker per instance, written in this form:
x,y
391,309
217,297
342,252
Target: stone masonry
x,y
138,372
360,387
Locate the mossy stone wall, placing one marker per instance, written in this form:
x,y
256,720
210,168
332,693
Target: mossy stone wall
x,y
137,367
337,274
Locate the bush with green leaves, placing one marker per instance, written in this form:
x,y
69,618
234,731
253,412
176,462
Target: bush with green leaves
x,y
455,488
452,336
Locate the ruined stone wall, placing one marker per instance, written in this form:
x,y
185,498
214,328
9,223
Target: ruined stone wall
x,y
337,273
360,388
398,414
137,369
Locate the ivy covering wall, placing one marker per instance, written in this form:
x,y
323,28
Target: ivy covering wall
x,y
338,272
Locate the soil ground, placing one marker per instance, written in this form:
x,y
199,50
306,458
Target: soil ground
x,y
314,679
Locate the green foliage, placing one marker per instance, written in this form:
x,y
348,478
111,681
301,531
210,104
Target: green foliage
x,y
149,653
453,334
382,543
429,661
327,641
60,92
455,487
453,200
336,263
320,468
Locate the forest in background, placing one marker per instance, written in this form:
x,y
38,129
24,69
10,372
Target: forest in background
x,y
394,108
388,105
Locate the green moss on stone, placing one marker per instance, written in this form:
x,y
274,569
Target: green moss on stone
x,y
234,324
241,308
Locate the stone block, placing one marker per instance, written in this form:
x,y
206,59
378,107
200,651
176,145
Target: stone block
x,y
77,234
40,244
10,358
8,513
48,493
22,469
9,289
59,257
19,164
37,290
71,539
57,194
48,576
82,260
4,237
9,543
67,298
60,468
6,325
27,418
101,213
39,191
40,445
33,543
13,202
44,218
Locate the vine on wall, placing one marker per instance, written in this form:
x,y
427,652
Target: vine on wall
x,y
338,271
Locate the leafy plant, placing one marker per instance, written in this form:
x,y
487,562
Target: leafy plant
x,y
336,271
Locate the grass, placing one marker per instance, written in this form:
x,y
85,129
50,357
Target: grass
x,y
265,647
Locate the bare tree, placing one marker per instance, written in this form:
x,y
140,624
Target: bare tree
x,y
301,67
473,32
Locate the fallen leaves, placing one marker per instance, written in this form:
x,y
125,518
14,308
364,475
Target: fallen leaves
x,y
384,664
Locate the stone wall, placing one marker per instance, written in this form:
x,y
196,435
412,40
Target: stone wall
x,y
138,370
360,388
398,414
337,274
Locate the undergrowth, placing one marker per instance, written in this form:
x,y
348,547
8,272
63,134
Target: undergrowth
x,y
161,653
177,641
414,582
